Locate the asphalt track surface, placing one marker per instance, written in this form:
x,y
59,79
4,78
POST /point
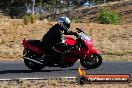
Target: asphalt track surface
x,y
16,70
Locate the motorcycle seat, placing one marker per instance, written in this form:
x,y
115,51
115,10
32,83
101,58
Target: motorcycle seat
x,y
37,43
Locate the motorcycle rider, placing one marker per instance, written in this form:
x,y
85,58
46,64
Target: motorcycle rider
x,y
55,34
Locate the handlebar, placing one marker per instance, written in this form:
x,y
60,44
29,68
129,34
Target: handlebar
x,y
76,33
79,30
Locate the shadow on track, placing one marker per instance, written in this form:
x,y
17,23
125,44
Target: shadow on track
x,y
24,71
30,71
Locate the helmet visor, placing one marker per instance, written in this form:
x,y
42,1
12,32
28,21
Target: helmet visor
x,y
64,27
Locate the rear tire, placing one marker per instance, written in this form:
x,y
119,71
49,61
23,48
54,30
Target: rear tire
x,y
93,62
30,64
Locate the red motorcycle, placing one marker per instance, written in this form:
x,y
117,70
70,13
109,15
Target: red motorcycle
x,y
81,48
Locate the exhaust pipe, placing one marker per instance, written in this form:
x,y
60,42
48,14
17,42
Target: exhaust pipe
x,y
27,58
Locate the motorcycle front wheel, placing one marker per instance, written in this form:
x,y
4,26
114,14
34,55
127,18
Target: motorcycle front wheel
x,y
91,62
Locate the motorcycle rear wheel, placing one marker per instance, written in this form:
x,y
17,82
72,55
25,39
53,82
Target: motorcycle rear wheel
x,y
33,66
30,64
91,62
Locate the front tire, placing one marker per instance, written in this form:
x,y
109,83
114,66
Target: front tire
x,y
91,62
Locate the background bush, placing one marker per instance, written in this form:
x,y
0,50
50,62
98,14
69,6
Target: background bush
x,y
33,19
28,18
107,16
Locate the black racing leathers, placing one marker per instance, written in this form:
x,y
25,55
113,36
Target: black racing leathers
x,y
53,37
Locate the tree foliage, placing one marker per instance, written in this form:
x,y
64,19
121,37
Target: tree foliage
x,y
17,7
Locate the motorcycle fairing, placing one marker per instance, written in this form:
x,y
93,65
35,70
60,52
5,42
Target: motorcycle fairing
x,y
29,45
91,49
69,40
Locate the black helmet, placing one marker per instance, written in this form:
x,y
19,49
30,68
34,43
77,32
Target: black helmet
x,y
64,22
